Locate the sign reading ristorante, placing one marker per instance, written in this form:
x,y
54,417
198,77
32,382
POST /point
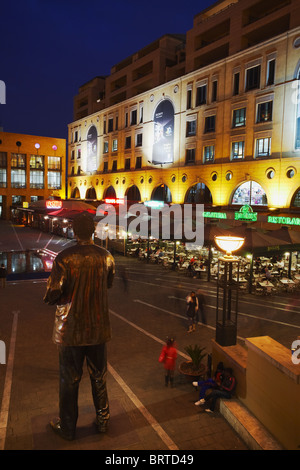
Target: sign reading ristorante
x,y
284,220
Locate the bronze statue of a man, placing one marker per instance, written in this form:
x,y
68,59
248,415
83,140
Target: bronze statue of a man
x,y
78,286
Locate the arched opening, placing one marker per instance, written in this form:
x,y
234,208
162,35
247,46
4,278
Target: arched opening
x,y
109,193
250,193
91,193
133,193
162,193
296,199
75,194
198,194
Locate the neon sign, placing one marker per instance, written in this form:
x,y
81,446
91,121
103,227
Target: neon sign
x,y
215,215
154,204
246,213
284,220
114,201
53,204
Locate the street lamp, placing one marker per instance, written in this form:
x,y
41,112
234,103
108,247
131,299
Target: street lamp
x,y
228,284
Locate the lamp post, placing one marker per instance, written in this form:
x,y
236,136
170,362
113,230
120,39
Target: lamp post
x,y
226,313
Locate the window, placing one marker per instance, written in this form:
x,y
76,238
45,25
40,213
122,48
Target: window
x,y
73,155
36,179
201,95
114,165
126,119
190,156
263,147
138,163
271,72
3,159
115,145
18,178
18,160
117,123
105,146
104,126
54,179
239,117
141,113
133,117
76,136
210,124
238,149
78,171
209,153
191,127
37,162
189,99
139,140
264,112
127,163
3,178
214,92
128,142
252,78
110,125
297,137
236,83
78,154
250,193
105,167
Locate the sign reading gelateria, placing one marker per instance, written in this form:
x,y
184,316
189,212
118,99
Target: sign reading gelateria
x,y
215,215
284,220
246,213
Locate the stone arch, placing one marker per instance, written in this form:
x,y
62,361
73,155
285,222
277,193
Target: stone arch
x,y
133,193
109,193
296,199
75,194
199,193
249,192
162,193
91,193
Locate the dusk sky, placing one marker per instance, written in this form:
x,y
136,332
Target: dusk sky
x,y
50,48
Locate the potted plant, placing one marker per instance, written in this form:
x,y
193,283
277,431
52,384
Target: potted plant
x,y
194,368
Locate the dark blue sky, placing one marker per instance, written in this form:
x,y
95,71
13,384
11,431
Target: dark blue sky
x,y
51,47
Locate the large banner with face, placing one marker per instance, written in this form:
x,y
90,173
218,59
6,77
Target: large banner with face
x,y
163,142
92,149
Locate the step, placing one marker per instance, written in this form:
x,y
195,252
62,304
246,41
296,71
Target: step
x,y
253,433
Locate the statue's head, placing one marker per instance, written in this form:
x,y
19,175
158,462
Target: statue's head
x,y
83,226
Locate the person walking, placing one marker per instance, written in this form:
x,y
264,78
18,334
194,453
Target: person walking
x,y
78,286
201,306
168,357
192,308
3,275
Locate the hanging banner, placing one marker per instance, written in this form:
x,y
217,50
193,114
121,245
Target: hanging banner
x,y
92,149
163,143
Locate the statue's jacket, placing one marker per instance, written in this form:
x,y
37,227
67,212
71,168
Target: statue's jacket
x,y
78,286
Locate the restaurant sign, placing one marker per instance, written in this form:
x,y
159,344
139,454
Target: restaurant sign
x,y
284,220
246,213
53,204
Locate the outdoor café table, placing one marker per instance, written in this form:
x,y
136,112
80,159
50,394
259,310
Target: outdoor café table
x,y
287,281
267,286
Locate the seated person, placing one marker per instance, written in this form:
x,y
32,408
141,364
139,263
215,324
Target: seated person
x,y
205,385
225,390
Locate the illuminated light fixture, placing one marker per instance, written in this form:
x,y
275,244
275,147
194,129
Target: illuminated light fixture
x,y
229,244
114,201
154,204
54,204
54,147
37,146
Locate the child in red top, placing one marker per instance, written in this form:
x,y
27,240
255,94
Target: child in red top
x,y
168,356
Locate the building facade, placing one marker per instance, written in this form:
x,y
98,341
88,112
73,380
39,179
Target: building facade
x,y
225,133
31,168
